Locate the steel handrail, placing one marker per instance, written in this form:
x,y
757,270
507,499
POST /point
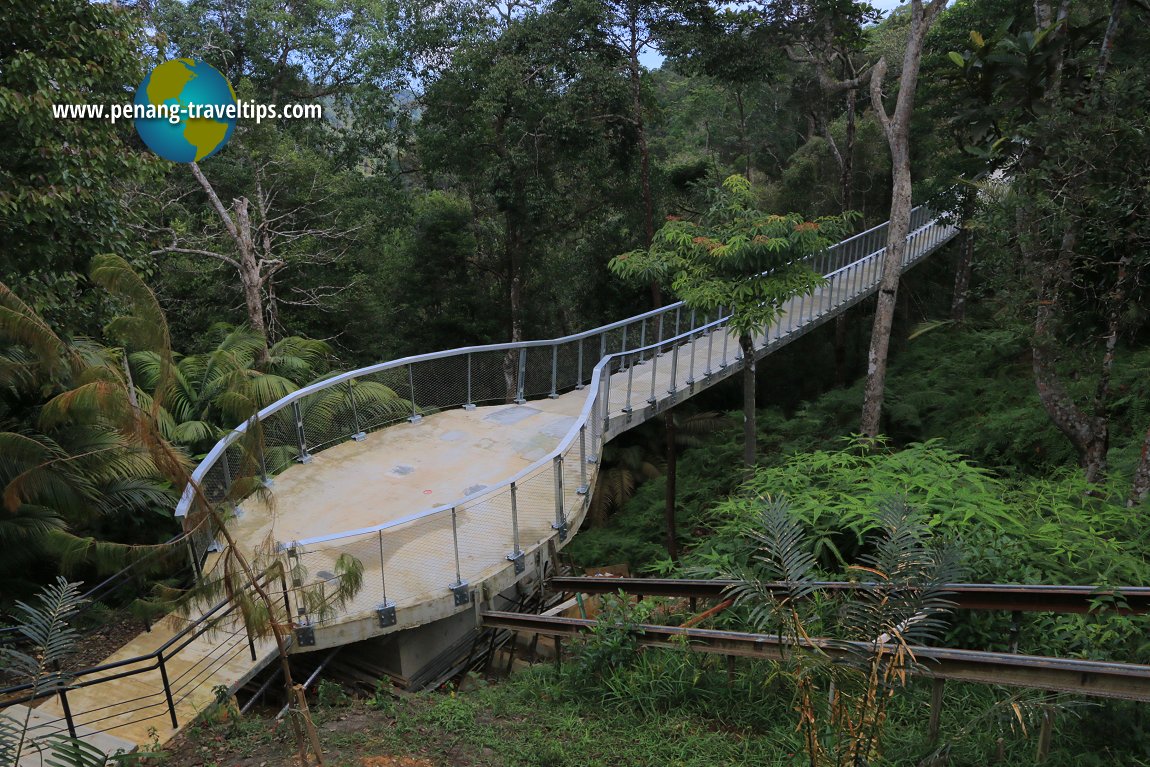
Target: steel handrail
x,y
197,627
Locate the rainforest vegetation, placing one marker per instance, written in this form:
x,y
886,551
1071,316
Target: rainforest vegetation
x,y
499,171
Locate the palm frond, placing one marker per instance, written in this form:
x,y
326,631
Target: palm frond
x,y
147,324
20,324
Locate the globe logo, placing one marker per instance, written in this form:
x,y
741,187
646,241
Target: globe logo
x,y
185,110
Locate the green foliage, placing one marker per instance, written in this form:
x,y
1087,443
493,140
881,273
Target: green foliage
x,y
45,626
611,643
837,494
738,257
62,181
842,703
330,694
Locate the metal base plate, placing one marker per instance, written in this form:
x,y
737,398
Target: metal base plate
x,y
386,614
516,557
305,636
461,592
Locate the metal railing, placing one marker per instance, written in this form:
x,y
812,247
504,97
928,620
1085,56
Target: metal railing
x,y
167,687
628,368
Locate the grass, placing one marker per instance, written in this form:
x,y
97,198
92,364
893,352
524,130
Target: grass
x,y
545,718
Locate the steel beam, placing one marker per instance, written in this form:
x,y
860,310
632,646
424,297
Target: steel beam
x,y
1125,600
1098,679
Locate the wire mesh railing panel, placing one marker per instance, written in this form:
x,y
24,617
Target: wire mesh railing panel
x,y
493,377
569,368
329,417
440,383
280,446
574,481
535,507
419,559
486,535
381,399
537,379
365,549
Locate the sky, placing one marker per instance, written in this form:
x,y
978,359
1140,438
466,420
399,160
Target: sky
x,y
653,59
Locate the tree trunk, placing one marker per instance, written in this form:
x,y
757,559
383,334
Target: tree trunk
x,y
846,179
750,447
875,390
896,127
248,265
669,505
743,140
513,246
962,272
644,153
1140,489
250,277
1089,434
279,632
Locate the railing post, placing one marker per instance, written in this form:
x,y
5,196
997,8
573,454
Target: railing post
x,y
459,588
605,402
642,339
284,590
691,341
582,490
516,555
674,366
726,337
301,437
522,375
711,345
260,443
630,378
560,523
659,340
603,345
357,432
654,371
386,611
606,393
554,371
167,690
195,560
470,403
227,466
251,642
63,690
579,366
415,416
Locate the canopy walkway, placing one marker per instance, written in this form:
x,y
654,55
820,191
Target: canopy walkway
x,y
452,486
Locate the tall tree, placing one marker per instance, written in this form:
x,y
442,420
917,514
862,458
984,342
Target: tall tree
x,y
1066,122
631,30
739,258
533,125
896,127
63,181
